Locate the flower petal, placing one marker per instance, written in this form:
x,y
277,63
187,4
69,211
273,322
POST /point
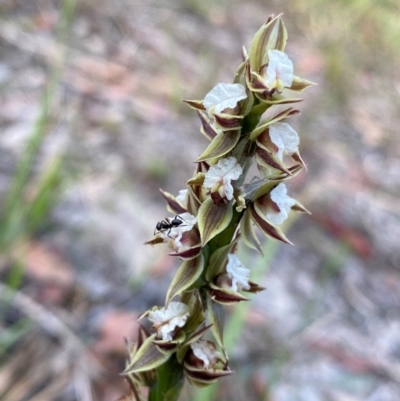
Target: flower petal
x,y
238,273
166,320
224,96
285,138
219,177
279,73
283,202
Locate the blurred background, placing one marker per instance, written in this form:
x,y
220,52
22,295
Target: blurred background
x,y
92,125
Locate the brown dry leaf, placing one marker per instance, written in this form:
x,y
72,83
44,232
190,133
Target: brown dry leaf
x,y
114,328
45,265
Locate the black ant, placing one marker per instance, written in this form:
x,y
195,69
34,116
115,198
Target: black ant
x,y
167,225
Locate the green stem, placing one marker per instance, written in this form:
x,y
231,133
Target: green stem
x,y
169,381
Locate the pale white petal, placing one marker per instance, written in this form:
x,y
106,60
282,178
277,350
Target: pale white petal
x,y
219,177
238,273
279,70
168,318
206,352
224,96
182,197
284,203
285,138
188,221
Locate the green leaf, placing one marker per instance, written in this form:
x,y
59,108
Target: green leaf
x,y
213,219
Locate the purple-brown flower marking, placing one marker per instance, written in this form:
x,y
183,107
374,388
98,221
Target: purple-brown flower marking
x,y
204,364
226,286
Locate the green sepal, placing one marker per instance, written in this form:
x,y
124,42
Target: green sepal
x,y
193,202
272,35
264,125
266,227
259,187
265,188
217,262
198,334
197,179
173,205
207,128
246,105
147,357
201,378
225,296
188,253
216,316
213,219
223,143
248,234
194,337
197,317
267,159
195,104
276,99
227,122
300,84
187,274
298,207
